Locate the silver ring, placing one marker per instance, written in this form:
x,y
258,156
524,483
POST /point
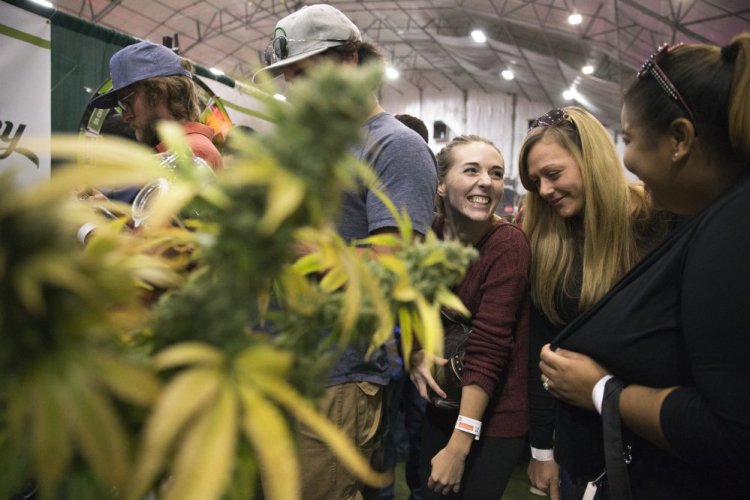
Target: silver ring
x,y
545,384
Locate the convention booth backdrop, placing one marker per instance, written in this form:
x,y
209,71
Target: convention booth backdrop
x,y
78,54
54,63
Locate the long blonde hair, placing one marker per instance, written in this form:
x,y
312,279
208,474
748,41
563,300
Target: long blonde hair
x,y
605,235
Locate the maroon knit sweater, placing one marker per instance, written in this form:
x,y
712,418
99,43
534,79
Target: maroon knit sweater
x,y
496,292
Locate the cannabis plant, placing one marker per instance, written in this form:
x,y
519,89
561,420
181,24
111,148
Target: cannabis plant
x,y
177,359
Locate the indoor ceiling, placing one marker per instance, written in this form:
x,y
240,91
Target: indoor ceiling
x,y
429,42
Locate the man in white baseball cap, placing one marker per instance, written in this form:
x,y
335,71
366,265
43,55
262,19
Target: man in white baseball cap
x,y
406,167
310,31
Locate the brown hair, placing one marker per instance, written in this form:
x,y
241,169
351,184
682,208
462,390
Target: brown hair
x,y
415,124
366,51
445,160
178,94
715,84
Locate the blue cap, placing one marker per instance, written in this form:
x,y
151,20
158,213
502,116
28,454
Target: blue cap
x,y
135,63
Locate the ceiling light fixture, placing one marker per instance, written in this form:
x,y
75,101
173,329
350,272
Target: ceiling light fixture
x,y
44,3
575,18
391,73
587,70
216,71
569,94
508,74
478,36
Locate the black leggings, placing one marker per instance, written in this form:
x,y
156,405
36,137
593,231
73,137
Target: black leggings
x,y
489,464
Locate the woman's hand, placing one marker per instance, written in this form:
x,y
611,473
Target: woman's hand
x,y
421,375
447,471
544,475
570,376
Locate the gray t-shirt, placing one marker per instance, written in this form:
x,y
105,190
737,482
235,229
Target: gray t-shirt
x,y
408,172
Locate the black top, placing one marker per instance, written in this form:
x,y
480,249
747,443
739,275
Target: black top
x,y
681,317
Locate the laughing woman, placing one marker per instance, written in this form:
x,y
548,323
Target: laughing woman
x,y
477,464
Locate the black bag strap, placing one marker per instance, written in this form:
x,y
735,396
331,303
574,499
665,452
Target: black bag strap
x,y
614,450
451,316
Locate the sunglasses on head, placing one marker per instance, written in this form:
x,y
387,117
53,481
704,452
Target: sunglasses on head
x,y
651,67
551,118
278,49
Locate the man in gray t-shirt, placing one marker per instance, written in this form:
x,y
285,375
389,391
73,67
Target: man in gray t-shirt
x,y
406,167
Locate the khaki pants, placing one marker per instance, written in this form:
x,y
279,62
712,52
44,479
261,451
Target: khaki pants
x,y
357,409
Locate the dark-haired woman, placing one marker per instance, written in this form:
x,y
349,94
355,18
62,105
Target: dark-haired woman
x,y
666,350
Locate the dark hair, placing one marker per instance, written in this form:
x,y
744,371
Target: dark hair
x,y
366,51
715,85
415,124
178,93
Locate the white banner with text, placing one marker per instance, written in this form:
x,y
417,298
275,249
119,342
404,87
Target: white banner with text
x,y
25,94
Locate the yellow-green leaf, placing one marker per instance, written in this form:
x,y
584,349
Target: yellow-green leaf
x,y
333,280
383,240
186,396
97,429
451,300
432,334
339,443
436,256
284,197
50,438
407,339
404,292
189,353
393,264
204,461
267,430
264,359
310,263
129,382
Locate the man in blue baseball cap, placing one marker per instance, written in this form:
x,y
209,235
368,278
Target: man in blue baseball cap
x,y
150,84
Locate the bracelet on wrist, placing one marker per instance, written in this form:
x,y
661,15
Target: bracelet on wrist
x,y
469,425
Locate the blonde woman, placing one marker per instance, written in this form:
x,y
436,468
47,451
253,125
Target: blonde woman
x,y
587,226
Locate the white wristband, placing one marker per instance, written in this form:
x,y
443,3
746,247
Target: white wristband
x,y
542,455
469,425
597,395
84,232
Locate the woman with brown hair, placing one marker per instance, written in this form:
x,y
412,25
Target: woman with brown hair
x,y
471,453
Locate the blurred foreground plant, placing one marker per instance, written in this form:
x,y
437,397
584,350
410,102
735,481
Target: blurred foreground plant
x,y
206,384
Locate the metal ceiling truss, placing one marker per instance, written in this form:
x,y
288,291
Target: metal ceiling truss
x,y
425,39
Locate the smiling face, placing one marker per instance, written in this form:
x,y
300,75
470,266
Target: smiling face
x,y
473,185
650,159
556,175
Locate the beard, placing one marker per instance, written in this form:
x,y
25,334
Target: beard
x,y
147,134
